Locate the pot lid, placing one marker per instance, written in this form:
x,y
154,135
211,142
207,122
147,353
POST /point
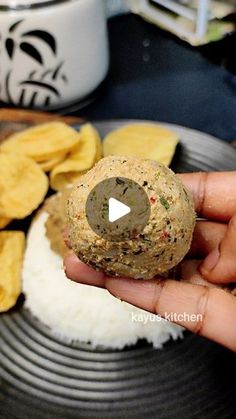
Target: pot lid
x,y
26,4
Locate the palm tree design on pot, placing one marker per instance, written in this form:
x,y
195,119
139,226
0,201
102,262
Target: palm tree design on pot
x,y
32,73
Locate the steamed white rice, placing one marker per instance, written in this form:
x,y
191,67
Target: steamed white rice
x,y
80,312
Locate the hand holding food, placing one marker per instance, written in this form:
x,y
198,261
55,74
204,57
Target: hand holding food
x,y
163,243
214,242
45,243
155,249
61,150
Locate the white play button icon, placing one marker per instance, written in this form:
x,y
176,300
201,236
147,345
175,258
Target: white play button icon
x,y
117,210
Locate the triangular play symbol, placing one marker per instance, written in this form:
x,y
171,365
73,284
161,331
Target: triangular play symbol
x,y
117,210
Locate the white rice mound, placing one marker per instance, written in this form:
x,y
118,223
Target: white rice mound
x,y
76,312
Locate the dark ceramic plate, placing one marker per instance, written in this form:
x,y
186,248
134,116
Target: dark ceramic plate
x,y
42,377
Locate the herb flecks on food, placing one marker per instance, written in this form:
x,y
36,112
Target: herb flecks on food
x,y
144,238
137,252
160,254
143,212
105,208
164,202
186,195
120,181
157,175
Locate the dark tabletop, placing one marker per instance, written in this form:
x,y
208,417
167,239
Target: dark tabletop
x,y
154,75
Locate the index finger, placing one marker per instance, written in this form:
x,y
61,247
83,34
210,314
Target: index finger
x,y
214,193
210,312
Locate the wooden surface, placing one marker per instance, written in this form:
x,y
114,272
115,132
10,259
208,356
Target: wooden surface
x,y
14,120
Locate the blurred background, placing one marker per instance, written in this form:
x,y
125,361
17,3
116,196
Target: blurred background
x,y
173,64
171,61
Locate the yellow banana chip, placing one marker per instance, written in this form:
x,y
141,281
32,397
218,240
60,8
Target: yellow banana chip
x,y
81,159
148,141
4,221
23,185
12,245
98,155
61,180
48,165
43,142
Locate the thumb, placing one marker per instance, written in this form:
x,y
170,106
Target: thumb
x,y
220,264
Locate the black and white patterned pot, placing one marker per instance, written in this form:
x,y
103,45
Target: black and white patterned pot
x,y
52,52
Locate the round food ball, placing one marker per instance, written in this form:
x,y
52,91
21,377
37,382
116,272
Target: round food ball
x,y
165,239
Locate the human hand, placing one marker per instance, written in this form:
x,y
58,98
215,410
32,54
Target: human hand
x,y
210,263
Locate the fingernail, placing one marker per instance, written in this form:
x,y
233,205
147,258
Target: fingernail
x,y
210,262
